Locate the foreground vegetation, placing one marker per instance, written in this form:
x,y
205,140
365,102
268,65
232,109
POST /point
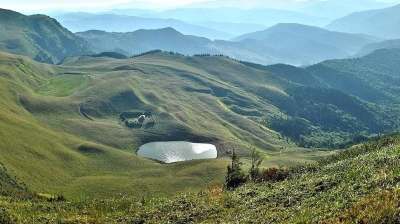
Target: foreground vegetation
x,y
358,185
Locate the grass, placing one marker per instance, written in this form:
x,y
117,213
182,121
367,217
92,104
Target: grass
x,y
336,190
63,85
50,147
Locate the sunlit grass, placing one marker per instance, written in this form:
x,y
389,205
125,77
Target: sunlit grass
x,y
63,85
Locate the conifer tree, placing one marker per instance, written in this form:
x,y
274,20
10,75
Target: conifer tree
x,y
235,176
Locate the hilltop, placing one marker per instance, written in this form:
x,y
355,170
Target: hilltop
x,y
39,37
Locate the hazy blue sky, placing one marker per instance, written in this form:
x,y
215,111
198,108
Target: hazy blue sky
x,y
32,5
98,5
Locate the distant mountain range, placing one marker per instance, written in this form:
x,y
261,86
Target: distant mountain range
x,y
284,43
340,8
383,23
131,43
218,23
330,9
233,29
311,40
288,43
39,37
262,16
119,23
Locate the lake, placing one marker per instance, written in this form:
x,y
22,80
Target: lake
x,y
170,152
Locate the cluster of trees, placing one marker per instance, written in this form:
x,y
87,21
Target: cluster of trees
x,y
146,53
305,134
236,177
110,54
138,119
209,55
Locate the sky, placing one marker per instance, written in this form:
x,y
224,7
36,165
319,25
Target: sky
x,y
39,6
34,5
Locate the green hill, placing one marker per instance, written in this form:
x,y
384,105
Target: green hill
x,y
61,132
37,149
39,37
371,79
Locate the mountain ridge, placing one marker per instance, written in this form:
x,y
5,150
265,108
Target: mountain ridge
x,y
39,37
347,42
380,22
281,47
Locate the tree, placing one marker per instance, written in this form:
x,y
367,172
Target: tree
x,y
235,176
256,160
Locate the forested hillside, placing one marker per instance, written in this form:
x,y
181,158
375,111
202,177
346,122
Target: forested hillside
x,y
371,79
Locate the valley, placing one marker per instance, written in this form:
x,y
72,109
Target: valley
x,y
80,153
200,114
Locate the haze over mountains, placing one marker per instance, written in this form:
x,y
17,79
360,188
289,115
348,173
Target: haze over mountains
x,y
117,23
284,43
219,23
268,36
384,23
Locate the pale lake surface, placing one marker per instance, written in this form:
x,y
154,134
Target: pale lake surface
x,y
170,152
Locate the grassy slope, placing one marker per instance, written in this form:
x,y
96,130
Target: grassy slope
x,y
49,146
56,162
189,100
360,184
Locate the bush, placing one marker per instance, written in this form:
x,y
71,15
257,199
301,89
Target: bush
x,y
274,174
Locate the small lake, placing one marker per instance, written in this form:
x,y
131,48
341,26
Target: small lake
x,y
170,152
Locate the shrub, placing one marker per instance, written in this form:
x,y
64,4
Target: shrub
x,y
274,174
